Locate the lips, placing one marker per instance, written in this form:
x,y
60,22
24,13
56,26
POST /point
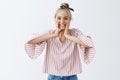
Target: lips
x,y
62,26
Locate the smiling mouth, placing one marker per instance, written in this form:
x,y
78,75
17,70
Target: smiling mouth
x,y
62,26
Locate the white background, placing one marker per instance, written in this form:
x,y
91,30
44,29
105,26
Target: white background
x,y
20,18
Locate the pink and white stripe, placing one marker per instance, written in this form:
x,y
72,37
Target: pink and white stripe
x,y
63,59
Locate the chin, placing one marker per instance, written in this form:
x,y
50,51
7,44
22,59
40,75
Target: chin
x,y
62,28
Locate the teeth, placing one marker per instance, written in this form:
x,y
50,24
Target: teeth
x,y
62,26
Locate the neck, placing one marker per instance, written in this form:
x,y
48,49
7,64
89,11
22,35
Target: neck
x,y
61,33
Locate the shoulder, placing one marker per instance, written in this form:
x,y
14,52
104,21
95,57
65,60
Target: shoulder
x,y
75,31
51,31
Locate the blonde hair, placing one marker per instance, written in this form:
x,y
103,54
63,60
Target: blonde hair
x,y
65,9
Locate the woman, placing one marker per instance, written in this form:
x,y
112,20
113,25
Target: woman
x,y
63,47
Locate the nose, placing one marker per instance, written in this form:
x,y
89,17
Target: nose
x,y
62,21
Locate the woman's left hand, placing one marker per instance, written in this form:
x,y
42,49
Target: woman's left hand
x,y
66,32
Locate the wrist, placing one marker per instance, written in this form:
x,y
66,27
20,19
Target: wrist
x,y
66,35
54,35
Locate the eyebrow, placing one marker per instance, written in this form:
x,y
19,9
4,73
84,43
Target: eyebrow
x,y
64,16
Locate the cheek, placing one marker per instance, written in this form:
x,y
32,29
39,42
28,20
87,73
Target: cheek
x,y
57,21
68,21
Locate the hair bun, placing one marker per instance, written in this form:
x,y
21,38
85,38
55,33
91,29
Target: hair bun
x,y
65,4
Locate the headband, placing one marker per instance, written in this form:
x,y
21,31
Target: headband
x,y
68,8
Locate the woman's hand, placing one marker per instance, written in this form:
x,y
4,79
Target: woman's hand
x,y
66,31
57,31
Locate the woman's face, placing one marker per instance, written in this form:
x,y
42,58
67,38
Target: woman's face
x,y
62,19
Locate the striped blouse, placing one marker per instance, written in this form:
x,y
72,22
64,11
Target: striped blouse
x,y
62,59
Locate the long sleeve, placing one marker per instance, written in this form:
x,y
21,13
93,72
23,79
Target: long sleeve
x,y
34,50
87,54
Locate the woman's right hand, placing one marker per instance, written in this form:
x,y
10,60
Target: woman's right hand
x,y
57,31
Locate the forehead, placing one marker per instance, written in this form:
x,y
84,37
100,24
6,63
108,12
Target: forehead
x,y
62,13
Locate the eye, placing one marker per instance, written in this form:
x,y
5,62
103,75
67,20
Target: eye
x,y
58,18
65,18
